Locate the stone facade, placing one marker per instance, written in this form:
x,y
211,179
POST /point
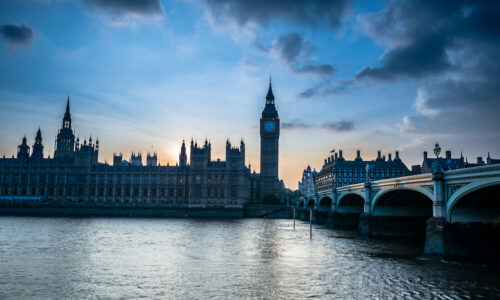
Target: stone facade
x,y
75,175
337,171
269,150
307,185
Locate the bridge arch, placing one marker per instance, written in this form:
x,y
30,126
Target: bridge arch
x,y
351,195
310,203
350,202
475,202
405,196
301,204
401,212
325,203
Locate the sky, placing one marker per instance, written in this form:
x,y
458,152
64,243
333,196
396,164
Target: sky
x,y
145,75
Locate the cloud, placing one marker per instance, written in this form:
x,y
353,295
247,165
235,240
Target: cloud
x,y
422,34
123,10
308,93
292,48
17,35
295,124
321,70
336,126
298,12
338,87
451,48
413,144
295,51
463,108
418,60
339,126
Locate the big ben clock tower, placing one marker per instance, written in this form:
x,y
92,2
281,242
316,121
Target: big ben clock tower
x,y
269,148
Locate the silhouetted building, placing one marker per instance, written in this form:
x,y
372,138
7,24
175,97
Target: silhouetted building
x,y
415,170
492,161
75,174
117,159
136,159
23,151
269,149
151,160
65,142
37,153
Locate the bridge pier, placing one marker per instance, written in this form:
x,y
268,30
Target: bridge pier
x,y
364,225
333,207
437,226
464,232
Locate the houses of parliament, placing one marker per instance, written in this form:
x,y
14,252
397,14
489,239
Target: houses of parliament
x,y
74,173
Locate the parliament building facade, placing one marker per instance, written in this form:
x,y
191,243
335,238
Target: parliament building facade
x,y
74,174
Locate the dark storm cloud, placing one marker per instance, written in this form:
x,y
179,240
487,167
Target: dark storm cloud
x,y
336,126
452,48
422,34
469,106
339,126
424,58
17,34
294,50
290,46
299,12
121,8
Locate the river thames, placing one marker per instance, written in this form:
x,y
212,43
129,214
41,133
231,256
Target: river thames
x,y
127,258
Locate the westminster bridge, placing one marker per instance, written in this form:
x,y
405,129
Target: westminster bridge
x,y
456,211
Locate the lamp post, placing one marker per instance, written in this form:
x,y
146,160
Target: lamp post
x,y
437,151
367,172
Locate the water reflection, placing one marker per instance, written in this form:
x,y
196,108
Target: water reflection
x,y
251,258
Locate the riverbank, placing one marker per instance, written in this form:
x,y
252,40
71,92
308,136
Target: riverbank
x,y
141,210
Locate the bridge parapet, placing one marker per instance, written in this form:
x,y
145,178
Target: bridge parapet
x,y
481,171
443,188
406,180
352,187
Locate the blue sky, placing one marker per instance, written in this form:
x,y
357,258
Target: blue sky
x,y
144,75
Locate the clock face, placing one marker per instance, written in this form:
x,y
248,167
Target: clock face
x,y
269,126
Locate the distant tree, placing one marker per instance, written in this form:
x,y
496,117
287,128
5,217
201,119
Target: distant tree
x,y
271,198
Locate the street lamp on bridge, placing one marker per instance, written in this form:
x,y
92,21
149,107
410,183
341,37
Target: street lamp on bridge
x,y
368,167
437,151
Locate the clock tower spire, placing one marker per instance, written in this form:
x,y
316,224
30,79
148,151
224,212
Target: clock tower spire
x,y
269,149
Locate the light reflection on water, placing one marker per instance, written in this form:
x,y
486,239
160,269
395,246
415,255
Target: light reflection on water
x,y
115,258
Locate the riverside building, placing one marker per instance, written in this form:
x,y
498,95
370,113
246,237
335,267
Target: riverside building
x,y
307,185
337,171
75,175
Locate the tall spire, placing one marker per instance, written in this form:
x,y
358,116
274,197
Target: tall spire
x,y
270,96
67,116
67,106
37,146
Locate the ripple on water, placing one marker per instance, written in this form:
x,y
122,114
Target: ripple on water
x,y
251,258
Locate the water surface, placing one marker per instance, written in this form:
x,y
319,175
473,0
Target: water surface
x,y
122,258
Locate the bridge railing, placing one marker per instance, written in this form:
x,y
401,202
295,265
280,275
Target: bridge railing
x,y
486,170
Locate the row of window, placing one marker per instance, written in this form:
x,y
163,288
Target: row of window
x,y
51,191
117,192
